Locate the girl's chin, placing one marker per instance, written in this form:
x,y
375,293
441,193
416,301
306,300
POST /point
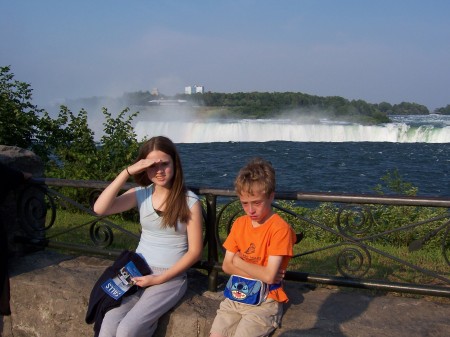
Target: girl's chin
x,y
160,182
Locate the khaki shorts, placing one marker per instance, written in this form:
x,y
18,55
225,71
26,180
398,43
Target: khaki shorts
x,y
243,320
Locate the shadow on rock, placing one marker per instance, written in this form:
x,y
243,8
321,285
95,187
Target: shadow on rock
x,y
323,317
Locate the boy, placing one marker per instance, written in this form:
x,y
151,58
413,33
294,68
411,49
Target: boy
x,y
259,246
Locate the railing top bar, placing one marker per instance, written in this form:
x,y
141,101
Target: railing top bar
x,y
214,191
78,183
283,195
371,199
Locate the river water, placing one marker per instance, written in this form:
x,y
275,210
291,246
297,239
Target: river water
x,y
325,157
346,167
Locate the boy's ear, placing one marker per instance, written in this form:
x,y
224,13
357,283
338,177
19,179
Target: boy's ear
x,y
272,196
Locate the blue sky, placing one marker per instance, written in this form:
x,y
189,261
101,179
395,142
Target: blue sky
x,y
383,50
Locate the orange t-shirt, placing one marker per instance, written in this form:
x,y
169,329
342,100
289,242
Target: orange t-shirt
x,y
274,238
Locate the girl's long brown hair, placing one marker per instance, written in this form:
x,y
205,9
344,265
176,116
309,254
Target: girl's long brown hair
x,y
176,207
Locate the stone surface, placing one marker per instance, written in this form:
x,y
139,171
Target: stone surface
x,y
21,159
50,292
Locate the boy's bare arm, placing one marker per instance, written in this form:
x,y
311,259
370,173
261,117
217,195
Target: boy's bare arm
x,y
229,268
233,264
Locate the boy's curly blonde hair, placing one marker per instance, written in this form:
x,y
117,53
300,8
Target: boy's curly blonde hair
x,y
258,173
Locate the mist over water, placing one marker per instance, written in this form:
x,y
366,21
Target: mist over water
x,y
183,124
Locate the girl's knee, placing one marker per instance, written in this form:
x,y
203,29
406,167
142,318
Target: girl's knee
x,y
134,330
124,330
107,330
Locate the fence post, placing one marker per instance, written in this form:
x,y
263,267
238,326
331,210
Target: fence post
x,y
211,232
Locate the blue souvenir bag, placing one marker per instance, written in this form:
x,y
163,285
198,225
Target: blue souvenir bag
x,y
246,290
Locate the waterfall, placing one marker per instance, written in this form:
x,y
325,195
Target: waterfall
x,y
259,130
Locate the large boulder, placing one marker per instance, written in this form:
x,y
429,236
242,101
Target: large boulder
x,y
21,159
13,220
50,293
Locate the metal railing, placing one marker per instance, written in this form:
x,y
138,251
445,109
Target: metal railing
x,y
363,241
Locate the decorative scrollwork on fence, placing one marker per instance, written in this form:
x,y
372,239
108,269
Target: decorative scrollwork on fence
x,y
352,228
101,234
37,210
231,216
93,196
354,220
354,261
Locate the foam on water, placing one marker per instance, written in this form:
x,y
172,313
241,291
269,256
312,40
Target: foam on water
x,y
264,130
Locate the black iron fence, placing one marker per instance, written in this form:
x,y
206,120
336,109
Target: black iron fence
x,y
389,243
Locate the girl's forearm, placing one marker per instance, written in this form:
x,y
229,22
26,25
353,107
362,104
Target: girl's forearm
x,y
187,261
105,202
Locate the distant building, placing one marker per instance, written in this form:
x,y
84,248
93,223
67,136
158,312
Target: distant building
x,y
167,102
194,89
154,92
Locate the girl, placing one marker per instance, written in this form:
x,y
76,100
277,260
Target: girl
x,y
171,239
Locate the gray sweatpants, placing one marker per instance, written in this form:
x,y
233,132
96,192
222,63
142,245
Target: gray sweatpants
x,y
139,313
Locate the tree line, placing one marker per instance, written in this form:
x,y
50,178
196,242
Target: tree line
x,y
273,104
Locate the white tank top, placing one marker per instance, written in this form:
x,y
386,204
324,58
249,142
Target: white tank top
x,y
161,247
